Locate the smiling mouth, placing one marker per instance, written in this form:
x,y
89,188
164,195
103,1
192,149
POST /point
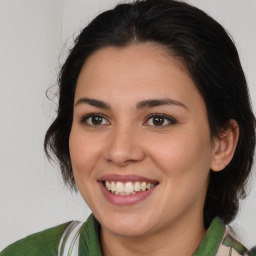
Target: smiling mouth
x,y
128,188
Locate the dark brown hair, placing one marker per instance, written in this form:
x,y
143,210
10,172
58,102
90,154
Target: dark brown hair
x,y
213,63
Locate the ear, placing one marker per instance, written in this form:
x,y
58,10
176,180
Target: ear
x,y
225,146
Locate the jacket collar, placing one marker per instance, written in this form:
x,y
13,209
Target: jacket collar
x,y
90,238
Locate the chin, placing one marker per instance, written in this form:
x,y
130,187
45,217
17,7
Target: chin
x,y
128,230
127,225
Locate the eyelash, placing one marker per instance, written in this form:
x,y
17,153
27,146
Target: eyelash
x,y
84,119
171,120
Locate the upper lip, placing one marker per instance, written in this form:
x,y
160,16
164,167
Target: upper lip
x,y
125,178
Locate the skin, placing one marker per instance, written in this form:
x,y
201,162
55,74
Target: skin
x,y
177,154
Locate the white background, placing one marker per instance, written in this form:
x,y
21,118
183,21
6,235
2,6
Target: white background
x,y
33,35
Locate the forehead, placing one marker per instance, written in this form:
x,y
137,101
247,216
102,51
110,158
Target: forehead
x,y
138,70
135,56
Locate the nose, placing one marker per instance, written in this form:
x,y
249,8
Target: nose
x,y
123,147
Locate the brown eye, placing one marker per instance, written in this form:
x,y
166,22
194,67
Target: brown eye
x,y
157,121
160,120
94,120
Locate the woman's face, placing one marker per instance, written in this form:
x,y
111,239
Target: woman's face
x,y
140,128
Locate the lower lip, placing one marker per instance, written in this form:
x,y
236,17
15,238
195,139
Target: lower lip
x,y
123,199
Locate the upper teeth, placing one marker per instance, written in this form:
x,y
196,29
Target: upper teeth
x,y
127,188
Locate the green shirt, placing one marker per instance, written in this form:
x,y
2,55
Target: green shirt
x,y
217,241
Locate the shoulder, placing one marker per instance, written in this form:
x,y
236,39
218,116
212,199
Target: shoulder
x,y
231,246
42,243
219,241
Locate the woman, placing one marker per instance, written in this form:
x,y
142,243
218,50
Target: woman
x,y
155,130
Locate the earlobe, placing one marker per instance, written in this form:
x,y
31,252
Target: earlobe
x,y
225,146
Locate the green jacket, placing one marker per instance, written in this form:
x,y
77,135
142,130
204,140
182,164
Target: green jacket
x,y
217,241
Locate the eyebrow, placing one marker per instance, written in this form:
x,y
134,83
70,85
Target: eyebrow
x,y
150,103
94,102
158,102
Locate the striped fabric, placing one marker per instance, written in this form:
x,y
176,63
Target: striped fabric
x,y
69,242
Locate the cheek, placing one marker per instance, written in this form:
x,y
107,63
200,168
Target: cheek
x,y
184,154
83,151
185,163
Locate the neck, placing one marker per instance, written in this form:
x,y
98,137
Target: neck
x,y
179,239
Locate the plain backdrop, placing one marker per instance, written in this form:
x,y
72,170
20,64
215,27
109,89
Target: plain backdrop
x,y
34,36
